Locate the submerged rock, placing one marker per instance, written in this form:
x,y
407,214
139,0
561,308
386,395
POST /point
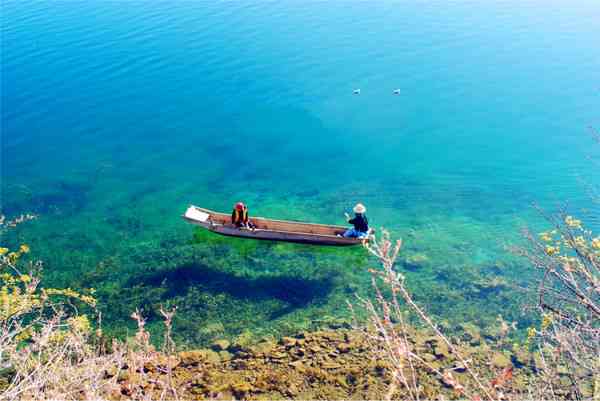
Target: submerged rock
x,y
292,390
189,358
298,365
332,365
262,347
521,357
277,355
415,261
441,350
220,345
341,380
240,389
343,348
225,356
471,333
210,356
500,360
288,342
196,357
459,367
242,342
212,330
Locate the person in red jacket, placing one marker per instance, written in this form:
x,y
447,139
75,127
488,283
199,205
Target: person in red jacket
x,y
239,216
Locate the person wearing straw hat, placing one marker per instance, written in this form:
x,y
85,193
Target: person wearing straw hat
x,y
360,223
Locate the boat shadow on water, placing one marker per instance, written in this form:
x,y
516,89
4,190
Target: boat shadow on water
x,y
293,291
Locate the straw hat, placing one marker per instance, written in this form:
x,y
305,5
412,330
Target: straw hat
x,y
359,208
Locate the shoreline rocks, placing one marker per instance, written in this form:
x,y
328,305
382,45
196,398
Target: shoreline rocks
x,y
336,364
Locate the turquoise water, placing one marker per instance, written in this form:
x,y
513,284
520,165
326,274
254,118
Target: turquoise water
x,y
117,115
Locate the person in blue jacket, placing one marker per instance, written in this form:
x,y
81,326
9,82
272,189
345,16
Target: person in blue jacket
x,y
360,223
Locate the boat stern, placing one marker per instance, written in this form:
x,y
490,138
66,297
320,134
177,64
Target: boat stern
x,y
194,215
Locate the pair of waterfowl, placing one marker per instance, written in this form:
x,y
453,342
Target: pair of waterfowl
x,y
395,91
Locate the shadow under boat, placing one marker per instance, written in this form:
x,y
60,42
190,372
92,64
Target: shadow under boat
x,y
295,291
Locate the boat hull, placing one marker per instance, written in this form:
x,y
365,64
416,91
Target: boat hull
x,y
313,234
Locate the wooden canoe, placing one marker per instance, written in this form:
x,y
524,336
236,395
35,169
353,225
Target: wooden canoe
x,y
269,229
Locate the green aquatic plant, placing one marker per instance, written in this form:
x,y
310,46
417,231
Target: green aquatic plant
x,y
115,261
244,247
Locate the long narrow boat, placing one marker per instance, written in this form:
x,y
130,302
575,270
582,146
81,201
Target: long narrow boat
x,y
269,229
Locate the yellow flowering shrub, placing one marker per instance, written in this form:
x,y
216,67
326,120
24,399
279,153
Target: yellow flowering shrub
x,y
572,222
45,342
580,242
11,258
80,324
69,293
531,332
568,258
22,301
578,239
546,321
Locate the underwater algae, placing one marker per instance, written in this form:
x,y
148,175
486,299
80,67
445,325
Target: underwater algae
x,y
224,287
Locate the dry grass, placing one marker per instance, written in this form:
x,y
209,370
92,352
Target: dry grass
x,y
566,346
392,333
568,294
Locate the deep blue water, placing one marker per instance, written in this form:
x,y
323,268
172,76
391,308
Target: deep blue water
x,y
117,115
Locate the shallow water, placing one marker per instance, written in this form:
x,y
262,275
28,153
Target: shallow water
x,y
116,116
